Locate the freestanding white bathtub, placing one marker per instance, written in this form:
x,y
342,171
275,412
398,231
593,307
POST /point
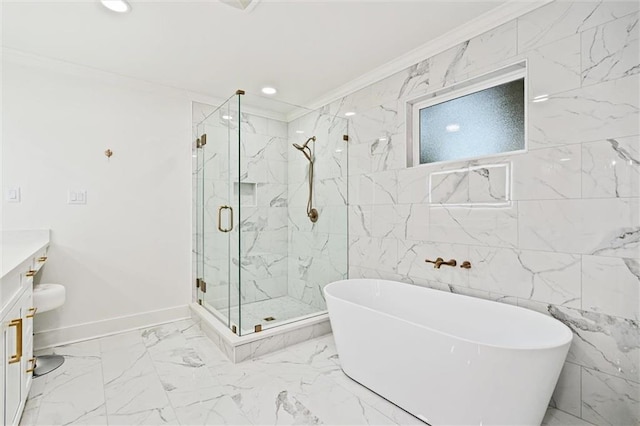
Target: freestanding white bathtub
x,y
447,359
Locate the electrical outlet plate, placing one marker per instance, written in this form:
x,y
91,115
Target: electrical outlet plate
x,y
12,195
77,196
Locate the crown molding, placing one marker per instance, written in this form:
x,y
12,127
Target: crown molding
x,y
19,57
502,14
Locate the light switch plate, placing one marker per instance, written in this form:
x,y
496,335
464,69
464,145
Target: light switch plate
x,y
77,196
12,195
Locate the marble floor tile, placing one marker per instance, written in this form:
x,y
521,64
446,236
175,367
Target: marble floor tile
x,y
125,363
560,418
152,417
74,395
221,410
173,374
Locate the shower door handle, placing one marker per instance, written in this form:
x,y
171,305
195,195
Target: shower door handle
x,y
220,228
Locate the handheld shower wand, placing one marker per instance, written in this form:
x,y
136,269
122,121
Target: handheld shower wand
x,y
312,213
304,148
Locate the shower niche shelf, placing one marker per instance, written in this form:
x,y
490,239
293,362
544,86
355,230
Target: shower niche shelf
x,y
246,193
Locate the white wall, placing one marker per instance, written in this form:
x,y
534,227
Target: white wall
x,y
127,251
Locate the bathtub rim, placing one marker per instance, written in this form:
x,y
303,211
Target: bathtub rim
x,y
564,327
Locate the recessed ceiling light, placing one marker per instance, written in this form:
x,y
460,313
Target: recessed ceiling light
x,y
349,114
120,6
269,91
453,127
227,117
299,132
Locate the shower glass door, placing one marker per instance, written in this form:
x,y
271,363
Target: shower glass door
x,y
264,260
218,213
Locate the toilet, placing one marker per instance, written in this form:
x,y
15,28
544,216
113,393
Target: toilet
x,y
47,297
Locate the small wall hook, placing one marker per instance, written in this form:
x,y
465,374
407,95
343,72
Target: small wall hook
x,y
108,153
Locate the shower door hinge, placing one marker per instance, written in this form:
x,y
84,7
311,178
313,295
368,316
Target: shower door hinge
x,y
201,141
345,138
201,284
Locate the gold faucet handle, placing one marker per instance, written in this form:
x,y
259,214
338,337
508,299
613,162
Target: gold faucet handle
x,y
466,265
33,365
435,262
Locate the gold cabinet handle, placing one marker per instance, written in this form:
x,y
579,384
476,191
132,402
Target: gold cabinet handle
x,y
220,228
31,273
42,259
32,312
17,323
33,365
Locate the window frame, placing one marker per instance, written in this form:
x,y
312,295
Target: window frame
x,y
457,90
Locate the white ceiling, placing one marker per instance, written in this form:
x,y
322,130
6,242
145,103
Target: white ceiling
x,y
303,48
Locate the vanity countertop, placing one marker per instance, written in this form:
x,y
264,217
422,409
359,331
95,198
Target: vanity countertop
x,y
18,246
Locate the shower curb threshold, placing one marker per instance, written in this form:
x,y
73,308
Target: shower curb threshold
x,y
243,348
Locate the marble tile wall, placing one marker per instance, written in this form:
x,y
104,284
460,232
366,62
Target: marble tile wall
x,y
568,241
317,251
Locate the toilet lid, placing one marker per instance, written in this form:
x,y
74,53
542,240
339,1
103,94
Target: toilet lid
x,y
48,296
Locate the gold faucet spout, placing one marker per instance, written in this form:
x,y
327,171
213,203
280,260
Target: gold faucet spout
x,y
435,262
451,262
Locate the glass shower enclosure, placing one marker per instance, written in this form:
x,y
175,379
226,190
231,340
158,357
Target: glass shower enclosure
x,y
260,259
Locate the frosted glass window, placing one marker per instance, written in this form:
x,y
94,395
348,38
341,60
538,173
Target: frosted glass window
x,y
479,124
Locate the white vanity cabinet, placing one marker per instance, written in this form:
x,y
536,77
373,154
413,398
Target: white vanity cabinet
x,y
23,254
18,350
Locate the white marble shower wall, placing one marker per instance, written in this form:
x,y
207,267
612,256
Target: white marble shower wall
x,y
317,251
263,215
566,241
260,167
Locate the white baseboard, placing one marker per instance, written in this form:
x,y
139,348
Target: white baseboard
x,y
92,330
